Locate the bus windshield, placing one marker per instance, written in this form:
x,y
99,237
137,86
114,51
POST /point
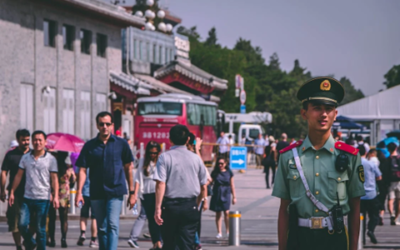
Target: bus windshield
x,y
198,112
160,108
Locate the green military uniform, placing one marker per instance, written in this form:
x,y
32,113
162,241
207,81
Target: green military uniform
x,y
324,181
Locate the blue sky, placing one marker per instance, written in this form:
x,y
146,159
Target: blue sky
x,y
359,39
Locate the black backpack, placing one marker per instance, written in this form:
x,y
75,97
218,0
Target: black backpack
x,y
394,168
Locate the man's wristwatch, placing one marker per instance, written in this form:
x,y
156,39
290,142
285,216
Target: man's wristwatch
x,y
204,199
131,192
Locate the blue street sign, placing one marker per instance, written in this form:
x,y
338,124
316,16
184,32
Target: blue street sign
x,y
243,109
238,158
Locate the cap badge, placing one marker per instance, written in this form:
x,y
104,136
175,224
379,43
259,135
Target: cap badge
x,y
325,85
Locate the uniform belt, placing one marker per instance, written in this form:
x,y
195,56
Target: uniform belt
x,y
180,199
314,222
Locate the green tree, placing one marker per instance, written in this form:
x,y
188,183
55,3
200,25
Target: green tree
x,y
392,77
191,32
212,37
351,94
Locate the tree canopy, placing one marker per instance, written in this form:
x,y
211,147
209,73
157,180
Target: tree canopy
x,y
268,87
392,77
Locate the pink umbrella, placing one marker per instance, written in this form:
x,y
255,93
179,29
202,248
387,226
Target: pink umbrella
x,y
64,142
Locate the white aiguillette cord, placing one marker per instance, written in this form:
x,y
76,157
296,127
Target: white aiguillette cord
x,y
314,200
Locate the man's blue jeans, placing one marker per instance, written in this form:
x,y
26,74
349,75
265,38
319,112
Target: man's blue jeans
x,y
40,208
107,213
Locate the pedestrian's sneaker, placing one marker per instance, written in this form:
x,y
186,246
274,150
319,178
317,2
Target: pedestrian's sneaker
x,y
393,221
198,247
371,235
93,244
82,239
133,244
147,235
380,221
219,236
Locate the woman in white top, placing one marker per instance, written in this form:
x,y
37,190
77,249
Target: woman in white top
x,y
145,187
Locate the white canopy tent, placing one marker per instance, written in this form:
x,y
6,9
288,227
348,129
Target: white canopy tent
x,y
381,109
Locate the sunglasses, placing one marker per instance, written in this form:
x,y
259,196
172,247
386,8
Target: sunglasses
x,y
153,153
221,163
101,124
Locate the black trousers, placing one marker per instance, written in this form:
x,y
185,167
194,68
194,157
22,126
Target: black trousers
x,y
181,219
371,207
266,170
320,239
149,204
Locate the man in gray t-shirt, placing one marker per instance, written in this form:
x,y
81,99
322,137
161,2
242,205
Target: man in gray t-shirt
x,y
39,167
181,189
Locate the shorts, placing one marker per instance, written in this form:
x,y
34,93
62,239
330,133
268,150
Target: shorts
x,y
394,190
85,208
13,216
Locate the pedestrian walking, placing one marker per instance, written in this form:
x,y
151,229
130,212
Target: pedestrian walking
x,y
259,145
223,144
369,202
110,161
360,141
137,228
86,213
66,178
194,145
181,190
223,181
145,188
392,170
11,165
269,162
39,167
319,181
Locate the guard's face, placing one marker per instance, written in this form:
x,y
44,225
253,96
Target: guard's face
x,y
104,125
320,117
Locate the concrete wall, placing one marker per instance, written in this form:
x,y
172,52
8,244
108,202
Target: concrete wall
x,y
25,59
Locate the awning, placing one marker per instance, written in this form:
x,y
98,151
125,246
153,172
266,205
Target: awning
x,y
192,72
130,83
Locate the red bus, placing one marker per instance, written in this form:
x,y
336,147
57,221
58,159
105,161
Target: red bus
x,y
156,115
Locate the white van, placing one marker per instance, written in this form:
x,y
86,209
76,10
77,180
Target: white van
x,y
250,131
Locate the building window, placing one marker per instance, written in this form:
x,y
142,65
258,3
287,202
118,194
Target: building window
x,y
68,111
155,54
101,45
68,32
147,52
85,115
160,56
26,106
171,53
50,32
135,55
166,55
49,111
86,41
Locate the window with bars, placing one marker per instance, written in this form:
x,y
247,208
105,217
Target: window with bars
x,y
49,32
86,41
68,32
68,111
101,45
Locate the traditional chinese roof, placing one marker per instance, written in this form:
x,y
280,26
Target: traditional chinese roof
x,y
107,12
130,83
191,71
160,86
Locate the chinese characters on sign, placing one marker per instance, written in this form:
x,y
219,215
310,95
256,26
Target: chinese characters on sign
x,y
238,152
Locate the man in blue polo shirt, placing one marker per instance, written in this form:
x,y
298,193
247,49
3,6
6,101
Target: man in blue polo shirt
x,y
110,161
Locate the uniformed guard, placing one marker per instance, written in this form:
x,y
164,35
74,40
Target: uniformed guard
x,y
320,182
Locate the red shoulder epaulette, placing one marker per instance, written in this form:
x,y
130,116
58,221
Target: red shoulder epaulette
x,y
346,148
291,146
